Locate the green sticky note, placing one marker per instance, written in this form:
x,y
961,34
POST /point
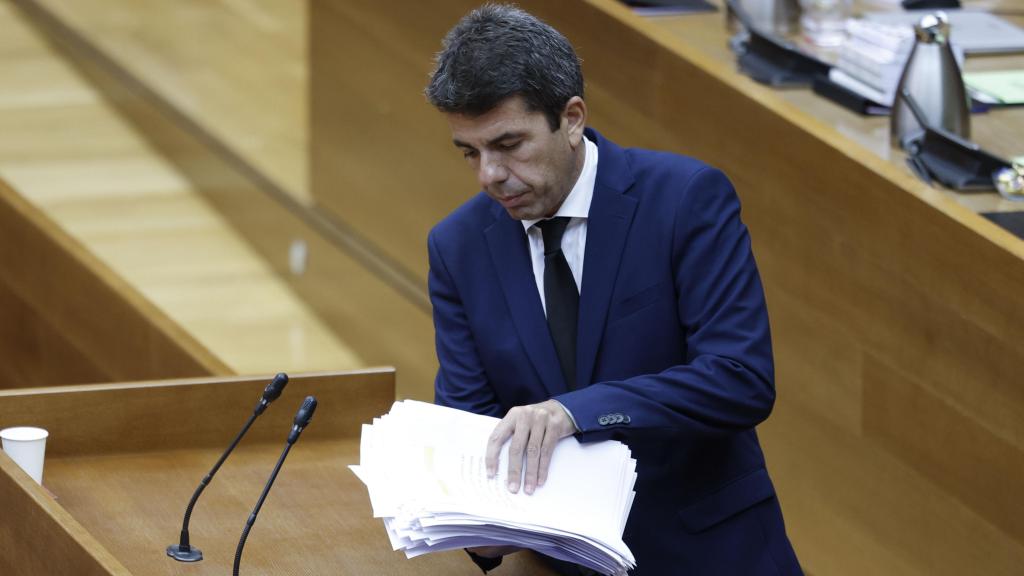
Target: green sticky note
x,y
1005,86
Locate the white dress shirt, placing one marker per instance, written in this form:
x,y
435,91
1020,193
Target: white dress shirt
x,y
574,242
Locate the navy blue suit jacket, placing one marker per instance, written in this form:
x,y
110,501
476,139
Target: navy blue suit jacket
x,y
673,335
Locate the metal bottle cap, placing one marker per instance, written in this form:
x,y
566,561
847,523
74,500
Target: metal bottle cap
x,y
933,28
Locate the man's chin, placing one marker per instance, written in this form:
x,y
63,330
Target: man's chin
x,y
521,214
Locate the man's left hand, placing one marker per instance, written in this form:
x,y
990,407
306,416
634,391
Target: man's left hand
x,y
535,430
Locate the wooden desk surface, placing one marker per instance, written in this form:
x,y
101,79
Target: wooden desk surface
x,y
316,520
124,459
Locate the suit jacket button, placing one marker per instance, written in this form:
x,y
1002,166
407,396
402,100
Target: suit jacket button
x,y
625,419
603,420
617,418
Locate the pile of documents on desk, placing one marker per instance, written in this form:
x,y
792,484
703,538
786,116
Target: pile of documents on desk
x,y
424,468
871,60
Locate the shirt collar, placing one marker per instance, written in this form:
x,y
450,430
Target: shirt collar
x,y
577,203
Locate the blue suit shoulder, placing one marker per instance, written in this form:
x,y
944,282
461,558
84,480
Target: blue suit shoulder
x,y
654,176
670,173
642,160
468,220
674,192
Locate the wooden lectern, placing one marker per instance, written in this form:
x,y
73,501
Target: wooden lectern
x,y
123,460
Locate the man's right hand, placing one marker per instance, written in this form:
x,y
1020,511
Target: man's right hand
x,y
535,430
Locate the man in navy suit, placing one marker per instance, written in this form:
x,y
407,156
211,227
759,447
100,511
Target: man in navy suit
x,y
602,292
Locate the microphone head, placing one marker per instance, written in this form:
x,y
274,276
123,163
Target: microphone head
x,y
274,389
305,413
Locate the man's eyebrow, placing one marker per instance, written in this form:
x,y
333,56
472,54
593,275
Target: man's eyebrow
x,y
504,136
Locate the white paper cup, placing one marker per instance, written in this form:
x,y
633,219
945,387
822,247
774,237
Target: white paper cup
x,y
27,447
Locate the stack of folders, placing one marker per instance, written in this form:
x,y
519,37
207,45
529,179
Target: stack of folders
x,y
871,60
424,468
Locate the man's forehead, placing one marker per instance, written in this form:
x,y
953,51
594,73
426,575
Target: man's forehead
x,y
511,116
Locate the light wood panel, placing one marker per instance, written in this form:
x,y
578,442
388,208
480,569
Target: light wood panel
x,y
382,158
30,343
236,66
194,413
98,178
854,507
380,313
894,305
907,418
104,326
120,495
39,537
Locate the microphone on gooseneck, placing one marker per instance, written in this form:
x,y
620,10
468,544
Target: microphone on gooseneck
x,y
183,551
302,418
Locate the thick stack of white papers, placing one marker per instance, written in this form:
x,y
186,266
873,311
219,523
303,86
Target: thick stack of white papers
x,y
423,466
972,31
872,59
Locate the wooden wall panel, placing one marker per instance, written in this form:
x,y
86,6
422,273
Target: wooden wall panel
x,y
64,301
375,306
382,157
959,452
195,413
37,352
854,507
44,539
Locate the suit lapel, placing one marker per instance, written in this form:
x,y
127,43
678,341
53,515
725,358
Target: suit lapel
x,y
611,213
510,253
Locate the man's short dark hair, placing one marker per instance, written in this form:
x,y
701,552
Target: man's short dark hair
x,y
498,51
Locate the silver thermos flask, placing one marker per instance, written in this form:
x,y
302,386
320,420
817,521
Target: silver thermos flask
x,y
932,77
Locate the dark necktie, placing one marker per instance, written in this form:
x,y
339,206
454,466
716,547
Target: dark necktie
x,y
561,297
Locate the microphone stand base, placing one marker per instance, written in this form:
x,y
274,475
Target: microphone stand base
x,y
190,554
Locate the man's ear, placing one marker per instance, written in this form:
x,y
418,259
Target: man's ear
x,y
574,118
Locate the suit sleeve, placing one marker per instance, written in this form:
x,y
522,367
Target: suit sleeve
x,y
726,382
461,380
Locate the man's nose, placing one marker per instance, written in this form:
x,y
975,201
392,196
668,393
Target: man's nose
x,y
491,171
